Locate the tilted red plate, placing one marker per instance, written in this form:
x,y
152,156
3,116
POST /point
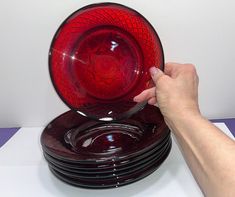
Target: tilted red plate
x,y
100,58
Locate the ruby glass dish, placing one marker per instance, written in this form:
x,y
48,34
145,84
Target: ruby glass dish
x,y
117,181
99,60
114,172
92,154
107,167
152,130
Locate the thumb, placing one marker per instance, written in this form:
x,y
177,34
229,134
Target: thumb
x,y
156,73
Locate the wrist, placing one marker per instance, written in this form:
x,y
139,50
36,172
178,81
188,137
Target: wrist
x,y
183,121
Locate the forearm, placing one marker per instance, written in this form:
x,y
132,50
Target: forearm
x,y
209,153
207,160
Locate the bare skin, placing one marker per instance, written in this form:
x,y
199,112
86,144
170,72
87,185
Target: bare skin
x,y
209,153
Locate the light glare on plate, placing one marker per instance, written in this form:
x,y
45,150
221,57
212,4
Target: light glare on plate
x,y
106,119
82,113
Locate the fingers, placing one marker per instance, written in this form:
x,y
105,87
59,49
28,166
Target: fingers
x,y
174,69
152,101
156,74
150,93
145,95
168,69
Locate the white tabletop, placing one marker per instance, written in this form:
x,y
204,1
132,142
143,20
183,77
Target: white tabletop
x,y
24,172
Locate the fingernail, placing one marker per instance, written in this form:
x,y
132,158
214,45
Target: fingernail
x,y
153,71
135,99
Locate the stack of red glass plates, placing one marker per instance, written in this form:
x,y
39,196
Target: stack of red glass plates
x,y
99,60
93,154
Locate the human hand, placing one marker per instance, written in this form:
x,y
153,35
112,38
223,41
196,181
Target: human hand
x,y
175,92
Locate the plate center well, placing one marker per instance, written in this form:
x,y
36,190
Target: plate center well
x,y
106,62
105,139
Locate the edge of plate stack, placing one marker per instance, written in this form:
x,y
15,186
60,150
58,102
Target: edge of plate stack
x,y
109,169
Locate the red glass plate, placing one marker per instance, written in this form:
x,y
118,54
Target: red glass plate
x,y
115,171
99,60
117,182
95,168
112,175
150,120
